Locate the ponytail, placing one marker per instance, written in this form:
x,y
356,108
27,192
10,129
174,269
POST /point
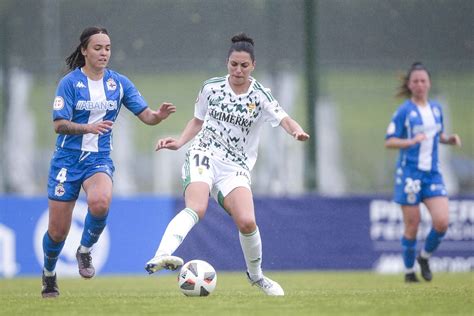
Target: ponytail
x,y
403,90
76,59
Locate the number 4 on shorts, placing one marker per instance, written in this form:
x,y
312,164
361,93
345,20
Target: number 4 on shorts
x,y
61,177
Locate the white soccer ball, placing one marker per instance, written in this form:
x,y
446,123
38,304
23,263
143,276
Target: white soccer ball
x,y
197,278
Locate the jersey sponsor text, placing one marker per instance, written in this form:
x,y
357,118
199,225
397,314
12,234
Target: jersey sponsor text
x,y
108,105
229,118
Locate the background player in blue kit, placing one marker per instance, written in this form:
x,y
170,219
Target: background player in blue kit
x,y
416,129
88,101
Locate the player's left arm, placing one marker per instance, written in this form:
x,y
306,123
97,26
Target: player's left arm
x,y
152,117
294,129
453,139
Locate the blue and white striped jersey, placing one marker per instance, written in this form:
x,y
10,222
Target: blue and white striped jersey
x,y
85,101
410,120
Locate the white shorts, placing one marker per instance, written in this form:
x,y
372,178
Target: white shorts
x,y
221,176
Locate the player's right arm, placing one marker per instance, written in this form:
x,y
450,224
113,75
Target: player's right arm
x,y
190,131
192,128
396,143
63,109
66,127
396,136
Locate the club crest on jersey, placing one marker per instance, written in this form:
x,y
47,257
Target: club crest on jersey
x,y
251,107
59,190
413,114
111,84
436,112
58,103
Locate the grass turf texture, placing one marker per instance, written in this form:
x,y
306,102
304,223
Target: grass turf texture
x,y
307,293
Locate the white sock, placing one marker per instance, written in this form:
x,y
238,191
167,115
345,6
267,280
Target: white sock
x,y
252,247
83,249
424,254
176,231
49,273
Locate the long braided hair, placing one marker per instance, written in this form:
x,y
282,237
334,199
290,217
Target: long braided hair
x,y
76,59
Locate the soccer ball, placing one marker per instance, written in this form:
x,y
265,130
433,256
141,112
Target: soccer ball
x,y
197,278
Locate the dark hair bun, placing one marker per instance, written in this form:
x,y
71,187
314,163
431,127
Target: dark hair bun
x,y
242,37
416,64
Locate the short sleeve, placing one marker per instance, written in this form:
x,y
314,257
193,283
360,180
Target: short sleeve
x,y
64,100
132,99
200,107
397,124
272,111
441,117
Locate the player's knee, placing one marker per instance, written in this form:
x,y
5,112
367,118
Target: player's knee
x,y
99,206
58,234
200,211
441,226
199,208
247,226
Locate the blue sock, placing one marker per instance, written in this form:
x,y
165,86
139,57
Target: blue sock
x,y
433,240
93,227
51,251
409,250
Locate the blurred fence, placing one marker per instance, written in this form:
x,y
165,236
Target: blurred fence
x,y
169,47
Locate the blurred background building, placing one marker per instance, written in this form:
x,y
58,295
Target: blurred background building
x,y
169,47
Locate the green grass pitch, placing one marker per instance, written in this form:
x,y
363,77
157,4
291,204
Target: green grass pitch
x,y
307,293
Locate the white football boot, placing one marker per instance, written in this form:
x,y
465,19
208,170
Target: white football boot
x,y
163,262
267,285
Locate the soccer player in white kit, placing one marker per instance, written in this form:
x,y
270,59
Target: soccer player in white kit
x,y
416,129
229,113
87,102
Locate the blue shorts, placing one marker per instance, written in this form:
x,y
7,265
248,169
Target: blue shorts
x,y
412,186
70,168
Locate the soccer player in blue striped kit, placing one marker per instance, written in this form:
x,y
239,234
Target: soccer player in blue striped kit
x,y
416,129
87,102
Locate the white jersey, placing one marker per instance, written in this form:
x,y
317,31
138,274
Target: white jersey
x,y
232,123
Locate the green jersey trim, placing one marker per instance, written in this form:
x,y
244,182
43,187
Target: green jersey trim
x,y
258,86
212,80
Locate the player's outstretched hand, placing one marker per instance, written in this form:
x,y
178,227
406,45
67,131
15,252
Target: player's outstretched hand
x,y
168,143
165,110
454,140
419,138
100,127
301,136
